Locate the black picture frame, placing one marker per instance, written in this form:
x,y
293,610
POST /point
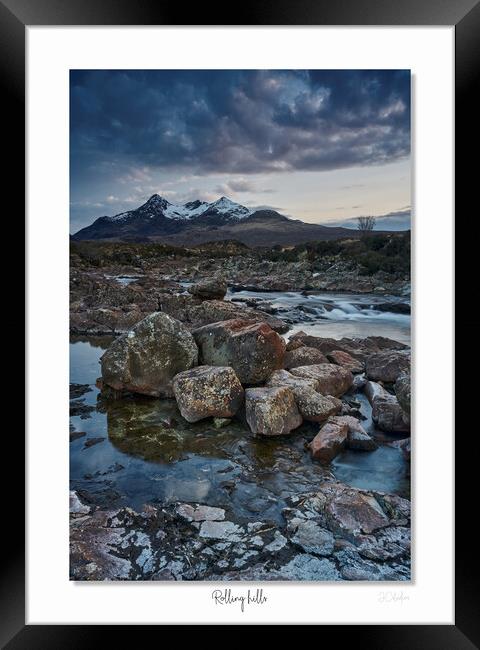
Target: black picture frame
x,y
15,15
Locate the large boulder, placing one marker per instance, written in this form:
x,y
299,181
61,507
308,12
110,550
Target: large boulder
x,y
303,356
207,391
209,289
253,350
329,441
387,366
313,406
387,413
271,411
332,380
341,358
146,359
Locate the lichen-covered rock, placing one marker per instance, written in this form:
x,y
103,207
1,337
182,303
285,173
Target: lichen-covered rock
x,y
313,406
329,441
386,411
357,437
271,411
285,378
332,380
209,289
207,391
345,360
253,350
311,537
146,359
403,390
303,356
387,366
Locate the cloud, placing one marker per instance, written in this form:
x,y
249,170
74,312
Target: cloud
x,y
238,122
237,186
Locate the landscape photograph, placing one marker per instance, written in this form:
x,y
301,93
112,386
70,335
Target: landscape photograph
x,y
240,325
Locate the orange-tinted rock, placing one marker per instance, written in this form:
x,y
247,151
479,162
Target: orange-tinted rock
x,y
253,350
329,441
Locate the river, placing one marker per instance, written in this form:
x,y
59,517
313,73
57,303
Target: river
x,y
146,453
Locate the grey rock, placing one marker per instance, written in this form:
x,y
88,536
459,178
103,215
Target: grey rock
x,y
146,359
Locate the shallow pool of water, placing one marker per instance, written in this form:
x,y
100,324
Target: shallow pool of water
x,y
147,453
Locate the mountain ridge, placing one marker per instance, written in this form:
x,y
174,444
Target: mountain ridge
x,y
197,222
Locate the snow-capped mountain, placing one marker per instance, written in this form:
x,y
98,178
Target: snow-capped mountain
x,y
197,221
157,205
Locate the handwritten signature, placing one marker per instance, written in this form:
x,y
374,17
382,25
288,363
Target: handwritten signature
x,y
392,597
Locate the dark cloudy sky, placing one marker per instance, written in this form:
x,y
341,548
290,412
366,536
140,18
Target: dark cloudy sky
x,y
319,145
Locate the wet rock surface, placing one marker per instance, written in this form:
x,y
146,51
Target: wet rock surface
x,y
158,497
334,533
386,410
329,441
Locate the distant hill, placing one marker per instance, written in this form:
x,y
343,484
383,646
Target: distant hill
x,y
198,222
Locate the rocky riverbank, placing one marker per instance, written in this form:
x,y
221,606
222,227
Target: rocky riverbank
x,y
114,286
335,533
239,375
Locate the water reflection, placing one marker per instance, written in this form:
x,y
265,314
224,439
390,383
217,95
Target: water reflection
x,y
159,457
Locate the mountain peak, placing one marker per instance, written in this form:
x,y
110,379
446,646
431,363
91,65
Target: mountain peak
x,y
157,201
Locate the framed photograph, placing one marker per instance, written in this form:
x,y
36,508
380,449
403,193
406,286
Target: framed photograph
x,y
239,278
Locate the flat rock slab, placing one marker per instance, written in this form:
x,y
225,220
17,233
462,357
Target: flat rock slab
x,y
224,530
200,512
311,537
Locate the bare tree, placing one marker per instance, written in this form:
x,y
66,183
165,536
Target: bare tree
x,y
366,224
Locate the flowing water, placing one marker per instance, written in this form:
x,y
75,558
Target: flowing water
x,y
335,315
145,452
